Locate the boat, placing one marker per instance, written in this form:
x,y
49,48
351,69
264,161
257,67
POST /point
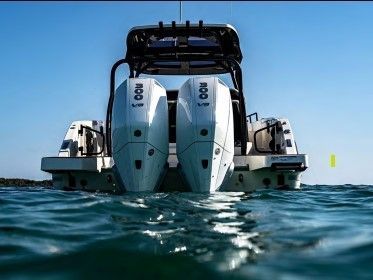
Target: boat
x,y
196,138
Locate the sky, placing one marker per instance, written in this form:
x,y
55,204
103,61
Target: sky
x,y
309,62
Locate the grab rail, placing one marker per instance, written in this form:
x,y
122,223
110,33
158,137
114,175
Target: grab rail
x,y
110,103
101,132
253,114
276,151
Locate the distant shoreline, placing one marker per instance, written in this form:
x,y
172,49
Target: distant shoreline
x,y
17,182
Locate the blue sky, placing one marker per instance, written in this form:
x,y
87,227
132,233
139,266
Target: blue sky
x,y
310,62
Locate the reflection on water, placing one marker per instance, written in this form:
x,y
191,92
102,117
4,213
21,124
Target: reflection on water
x,y
291,234
209,228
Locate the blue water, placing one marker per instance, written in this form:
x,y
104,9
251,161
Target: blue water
x,y
318,232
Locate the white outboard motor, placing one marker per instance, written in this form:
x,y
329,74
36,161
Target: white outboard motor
x,y
204,133
140,134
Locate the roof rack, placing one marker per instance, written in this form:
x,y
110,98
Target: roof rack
x,y
182,49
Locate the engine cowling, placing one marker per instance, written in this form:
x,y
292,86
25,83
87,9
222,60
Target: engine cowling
x,y
204,133
140,134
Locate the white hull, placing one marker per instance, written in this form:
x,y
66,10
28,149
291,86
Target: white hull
x,y
73,171
89,174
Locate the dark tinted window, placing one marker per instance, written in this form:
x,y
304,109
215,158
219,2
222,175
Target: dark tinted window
x,y
201,42
65,144
171,42
163,43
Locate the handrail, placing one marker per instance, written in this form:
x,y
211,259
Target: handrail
x,y
110,104
264,128
101,132
253,114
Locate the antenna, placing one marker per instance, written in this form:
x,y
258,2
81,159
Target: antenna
x,y
181,11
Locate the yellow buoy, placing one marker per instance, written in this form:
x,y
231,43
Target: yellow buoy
x,y
332,160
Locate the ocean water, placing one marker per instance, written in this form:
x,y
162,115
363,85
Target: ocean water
x,y
318,232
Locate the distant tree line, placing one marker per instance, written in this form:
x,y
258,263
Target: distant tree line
x,y
16,182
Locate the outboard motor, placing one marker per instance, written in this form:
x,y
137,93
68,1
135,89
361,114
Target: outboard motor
x,y
140,134
204,133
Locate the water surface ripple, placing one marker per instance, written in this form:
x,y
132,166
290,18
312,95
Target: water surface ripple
x,y
320,231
